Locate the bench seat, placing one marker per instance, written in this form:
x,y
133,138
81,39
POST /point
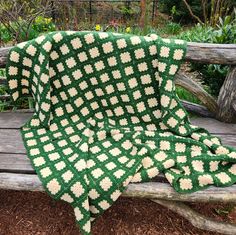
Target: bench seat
x,y
16,172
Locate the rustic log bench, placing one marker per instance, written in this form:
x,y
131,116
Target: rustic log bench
x,y
16,172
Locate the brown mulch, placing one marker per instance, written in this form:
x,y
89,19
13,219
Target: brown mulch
x,y
35,213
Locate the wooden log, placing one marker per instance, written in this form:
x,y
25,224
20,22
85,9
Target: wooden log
x,y
211,53
227,98
5,97
198,220
3,81
151,190
198,52
197,109
19,111
3,56
8,97
196,89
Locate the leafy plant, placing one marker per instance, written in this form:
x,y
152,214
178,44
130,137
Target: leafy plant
x,y
127,11
213,75
204,11
172,28
177,9
18,16
40,25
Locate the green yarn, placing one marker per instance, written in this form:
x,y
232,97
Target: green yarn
x,y
106,115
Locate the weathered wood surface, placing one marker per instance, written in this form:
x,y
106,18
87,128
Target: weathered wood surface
x,y
11,141
15,163
227,98
199,52
16,171
3,56
13,120
152,190
198,220
211,53
3,81
13,154
197,90
214,126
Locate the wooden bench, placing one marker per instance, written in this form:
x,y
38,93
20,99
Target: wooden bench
x,y
16,172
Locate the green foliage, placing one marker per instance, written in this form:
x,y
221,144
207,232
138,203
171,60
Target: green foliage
x,y
172,28
5,35
42,25
213,75
127,11
178,10
39,26
2,72
186,95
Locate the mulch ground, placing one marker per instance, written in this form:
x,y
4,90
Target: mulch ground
x,y
35,213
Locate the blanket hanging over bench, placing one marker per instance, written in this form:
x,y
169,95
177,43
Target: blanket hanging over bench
x,y
106,114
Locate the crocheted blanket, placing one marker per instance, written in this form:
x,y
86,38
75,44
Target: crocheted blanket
x,y
106,114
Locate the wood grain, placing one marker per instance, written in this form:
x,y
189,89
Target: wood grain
x,y
13,154
197,90
211,53
214,126
11,141
12,120
151,190
16,172
227,98
15,163
3,56
199,52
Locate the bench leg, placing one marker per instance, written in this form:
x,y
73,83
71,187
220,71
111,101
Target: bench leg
x,y
196,219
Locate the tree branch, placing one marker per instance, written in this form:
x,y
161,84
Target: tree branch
x,y
191,12
196,219
197,90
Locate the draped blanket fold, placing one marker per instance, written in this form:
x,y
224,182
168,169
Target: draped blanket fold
x,y
106,114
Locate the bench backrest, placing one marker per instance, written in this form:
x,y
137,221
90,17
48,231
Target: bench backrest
x,y
224,108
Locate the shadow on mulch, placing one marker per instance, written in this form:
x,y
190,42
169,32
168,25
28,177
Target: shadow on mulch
x,y
35,213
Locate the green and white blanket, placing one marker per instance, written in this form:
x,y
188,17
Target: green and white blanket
x,y
107,114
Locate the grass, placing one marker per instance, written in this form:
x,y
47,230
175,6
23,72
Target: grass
x,y
186,95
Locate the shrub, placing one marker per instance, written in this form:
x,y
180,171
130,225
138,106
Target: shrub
x,y
204,11
178,10
40,25
213,75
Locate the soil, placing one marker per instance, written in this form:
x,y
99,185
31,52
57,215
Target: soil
x,y
35,213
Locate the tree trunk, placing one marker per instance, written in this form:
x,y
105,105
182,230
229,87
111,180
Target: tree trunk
x,y
143,13
227,98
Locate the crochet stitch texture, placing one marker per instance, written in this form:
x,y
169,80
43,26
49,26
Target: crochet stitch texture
x,y
106,114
